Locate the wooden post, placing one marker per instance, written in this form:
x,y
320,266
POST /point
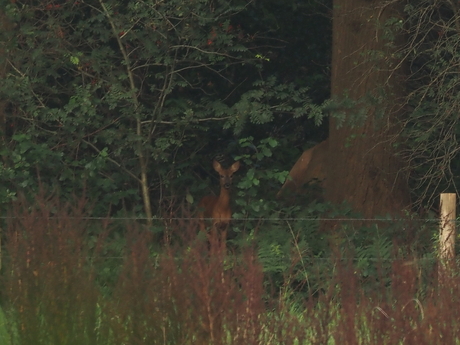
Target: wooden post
x,y
447,227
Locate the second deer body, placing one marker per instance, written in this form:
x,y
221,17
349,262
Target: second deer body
x,y
217,209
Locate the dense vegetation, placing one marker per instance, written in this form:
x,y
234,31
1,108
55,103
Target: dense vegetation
x,y
131,101
118,108
70,280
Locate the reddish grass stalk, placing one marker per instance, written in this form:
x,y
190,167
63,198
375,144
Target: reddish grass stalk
x,y
196,291
48,282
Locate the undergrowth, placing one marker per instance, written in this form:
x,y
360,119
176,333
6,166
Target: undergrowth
x,y
198,290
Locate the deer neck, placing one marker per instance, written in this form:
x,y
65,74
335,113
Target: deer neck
x,y
224,196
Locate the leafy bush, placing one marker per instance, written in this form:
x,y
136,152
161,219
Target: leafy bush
x,y
120,99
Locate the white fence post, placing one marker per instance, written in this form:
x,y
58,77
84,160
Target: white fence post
x,y
447,226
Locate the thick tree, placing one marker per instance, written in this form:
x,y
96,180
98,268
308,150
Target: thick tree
x,y
362,167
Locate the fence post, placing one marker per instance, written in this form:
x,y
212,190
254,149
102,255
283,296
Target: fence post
x,y
446,232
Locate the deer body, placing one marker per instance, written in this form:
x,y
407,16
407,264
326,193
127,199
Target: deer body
x,y
218,208
310,166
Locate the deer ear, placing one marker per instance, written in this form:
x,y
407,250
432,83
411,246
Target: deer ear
x,y
216,165
235,166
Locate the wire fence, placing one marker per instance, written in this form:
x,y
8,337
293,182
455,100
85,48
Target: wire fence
x,y
273,219
161,225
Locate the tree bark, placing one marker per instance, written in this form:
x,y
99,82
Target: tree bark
x,y
362,167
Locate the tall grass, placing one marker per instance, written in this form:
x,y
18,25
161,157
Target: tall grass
x,y
197,291
49,291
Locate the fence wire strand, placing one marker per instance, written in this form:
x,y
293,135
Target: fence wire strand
x,y
243,219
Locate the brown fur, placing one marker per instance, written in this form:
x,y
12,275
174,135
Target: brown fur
x,y
309,166
218,208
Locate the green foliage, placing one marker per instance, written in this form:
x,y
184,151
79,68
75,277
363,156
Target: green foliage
x,y
252,197
373,256
288,238
5,336
261,105
98,91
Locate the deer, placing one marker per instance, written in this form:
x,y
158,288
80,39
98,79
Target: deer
x,y
218,208
310,166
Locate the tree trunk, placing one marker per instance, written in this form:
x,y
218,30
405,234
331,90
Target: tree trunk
x,y
143,159
362,168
